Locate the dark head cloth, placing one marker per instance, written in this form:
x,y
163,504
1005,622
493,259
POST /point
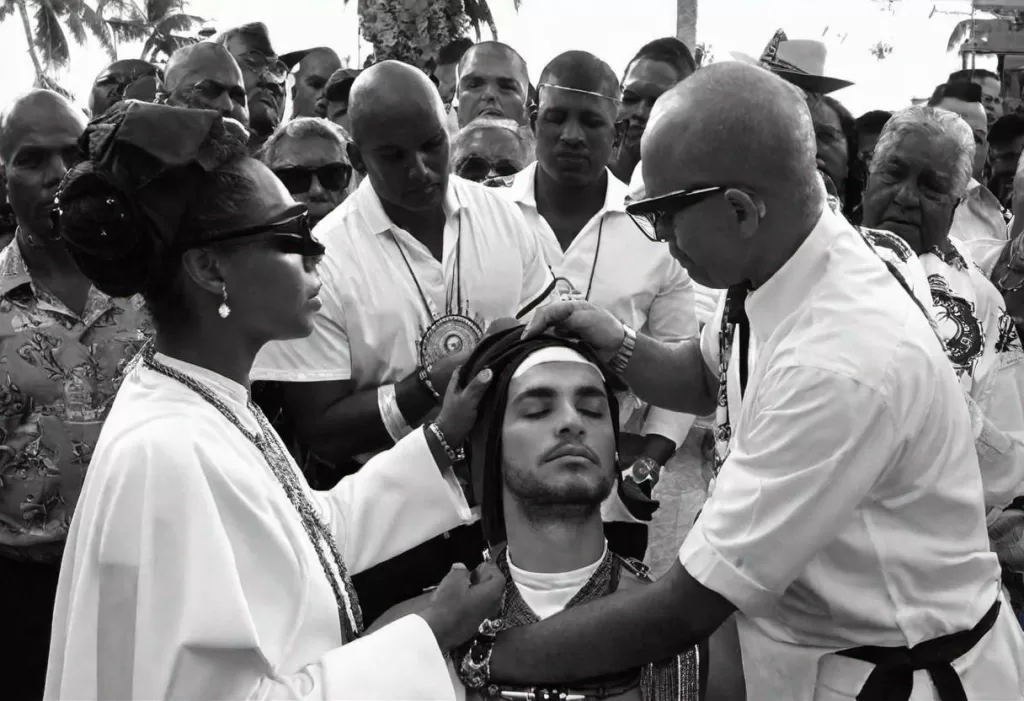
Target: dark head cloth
x,y
136,143
502,351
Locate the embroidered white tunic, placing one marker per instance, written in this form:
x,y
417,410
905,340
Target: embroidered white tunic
x,y
849,511
188,573
982,344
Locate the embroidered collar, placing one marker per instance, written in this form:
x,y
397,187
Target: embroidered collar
x,y
951,256
13,270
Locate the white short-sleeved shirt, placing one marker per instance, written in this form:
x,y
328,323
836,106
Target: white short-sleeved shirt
x,y
849,511
373,316
612,264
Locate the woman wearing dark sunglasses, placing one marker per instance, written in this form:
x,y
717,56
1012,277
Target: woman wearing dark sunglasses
x,y
199,563
309,156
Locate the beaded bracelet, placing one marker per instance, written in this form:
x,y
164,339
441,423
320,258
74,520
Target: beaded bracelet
x,y
453,455
475,670
424,376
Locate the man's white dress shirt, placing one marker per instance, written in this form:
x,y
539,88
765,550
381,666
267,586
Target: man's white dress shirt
x,y
849,511
373,316
611,263
188,573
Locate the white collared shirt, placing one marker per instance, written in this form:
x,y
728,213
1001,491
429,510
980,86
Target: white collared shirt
x,y
373,316
849,511
612,264
979,216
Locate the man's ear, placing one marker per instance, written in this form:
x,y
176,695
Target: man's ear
x,y
294,89
355,157
748,212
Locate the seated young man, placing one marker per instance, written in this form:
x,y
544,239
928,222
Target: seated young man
x,y
543,459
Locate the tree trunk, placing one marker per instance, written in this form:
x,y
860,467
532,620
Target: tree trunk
x,y
686,22
41,77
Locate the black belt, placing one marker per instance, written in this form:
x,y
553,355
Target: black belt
x,y
892,679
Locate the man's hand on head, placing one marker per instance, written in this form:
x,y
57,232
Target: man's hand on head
x,y
580,319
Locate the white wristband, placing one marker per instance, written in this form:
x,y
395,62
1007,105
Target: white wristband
x,y
390,414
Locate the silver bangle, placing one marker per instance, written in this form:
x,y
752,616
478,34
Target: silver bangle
x,y
453,455
622,356
390,414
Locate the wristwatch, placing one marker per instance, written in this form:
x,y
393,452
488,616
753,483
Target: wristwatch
x,y
622,356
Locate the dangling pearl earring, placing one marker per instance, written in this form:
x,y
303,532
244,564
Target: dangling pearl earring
x,y
224,310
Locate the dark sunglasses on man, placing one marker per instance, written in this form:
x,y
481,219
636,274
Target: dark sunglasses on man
x,y
209,91
654,212
479,169
331,176
271,69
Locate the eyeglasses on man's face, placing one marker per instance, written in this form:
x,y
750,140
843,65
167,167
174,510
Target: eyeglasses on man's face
x,y
331,176
656,213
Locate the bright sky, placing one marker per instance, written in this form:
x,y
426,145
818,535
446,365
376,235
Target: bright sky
x,y
612,29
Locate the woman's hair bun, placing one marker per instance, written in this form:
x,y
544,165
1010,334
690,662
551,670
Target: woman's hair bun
x,y
110,244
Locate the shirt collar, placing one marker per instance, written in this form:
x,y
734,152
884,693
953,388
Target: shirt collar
x,y
524,190
378,220
769,305
13,271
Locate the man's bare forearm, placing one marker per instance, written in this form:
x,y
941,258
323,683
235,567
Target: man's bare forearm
x,y
353,424
612,634
673,377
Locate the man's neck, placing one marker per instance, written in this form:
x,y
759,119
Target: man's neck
x,y
425,227
569,199
558,541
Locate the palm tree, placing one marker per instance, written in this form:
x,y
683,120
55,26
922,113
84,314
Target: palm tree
x,y
48,46
686,21
160,23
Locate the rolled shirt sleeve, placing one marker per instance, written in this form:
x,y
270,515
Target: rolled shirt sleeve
x,y
397,500
814,444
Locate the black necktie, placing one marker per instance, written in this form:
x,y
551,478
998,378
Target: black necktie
x,y
735,299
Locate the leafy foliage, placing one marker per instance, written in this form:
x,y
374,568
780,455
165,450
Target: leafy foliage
x,y
414,31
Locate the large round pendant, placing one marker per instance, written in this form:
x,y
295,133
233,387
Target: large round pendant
x,y
450,334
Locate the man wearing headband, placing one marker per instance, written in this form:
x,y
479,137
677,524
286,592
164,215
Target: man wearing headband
x,y
62,344
847,523
418,262
576,208
542,455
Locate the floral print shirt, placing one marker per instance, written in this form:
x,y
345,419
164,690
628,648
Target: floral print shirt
x,y
58,375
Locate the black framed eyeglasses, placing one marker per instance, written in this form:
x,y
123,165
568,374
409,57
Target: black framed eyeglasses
x,y
649,214
331,176
479,169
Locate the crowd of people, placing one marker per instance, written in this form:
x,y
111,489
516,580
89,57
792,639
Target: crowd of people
x,y
324,383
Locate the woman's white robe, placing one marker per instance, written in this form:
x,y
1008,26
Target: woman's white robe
x,y
188,574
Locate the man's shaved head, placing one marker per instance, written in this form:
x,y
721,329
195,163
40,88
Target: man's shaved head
x,y
33,109
501,51
399,138
184,62
730,123
748,132
581,70
392,92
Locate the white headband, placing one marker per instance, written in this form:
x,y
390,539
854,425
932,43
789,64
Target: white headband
x,y
552,354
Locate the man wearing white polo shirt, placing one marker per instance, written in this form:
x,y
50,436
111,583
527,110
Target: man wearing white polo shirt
x,y
576,207
417,264
848,524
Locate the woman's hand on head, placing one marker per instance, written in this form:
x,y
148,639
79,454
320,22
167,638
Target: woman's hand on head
x,y
459,408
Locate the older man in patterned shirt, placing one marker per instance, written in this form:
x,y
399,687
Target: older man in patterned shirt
x,y
62,347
